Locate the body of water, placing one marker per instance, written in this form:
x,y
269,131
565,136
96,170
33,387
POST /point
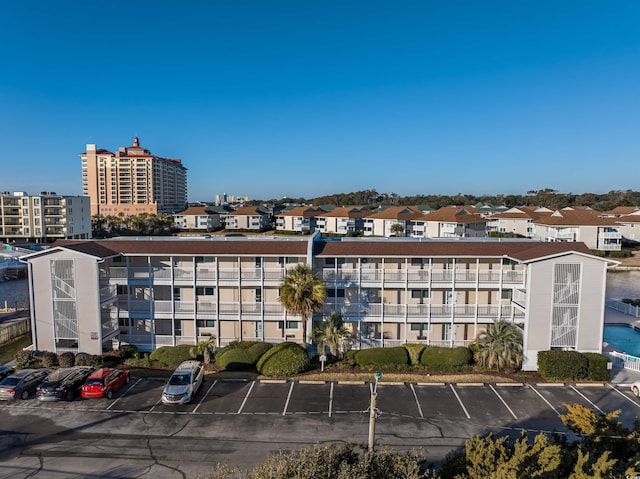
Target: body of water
x,y
624,338
14,291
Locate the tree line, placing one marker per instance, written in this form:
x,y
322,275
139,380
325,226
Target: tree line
x,y
546,197
143,224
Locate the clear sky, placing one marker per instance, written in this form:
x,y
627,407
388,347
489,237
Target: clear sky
x,y
311,97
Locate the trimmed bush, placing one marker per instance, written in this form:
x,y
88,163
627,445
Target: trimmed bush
x,y
129,351
197,351
241,358
436,358
172,355
382,358
49,360
26,359
141,362
88,360
415,351
284,359
67,360
234,345
556,364
597,366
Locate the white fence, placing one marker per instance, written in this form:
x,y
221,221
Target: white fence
x,y
625,361
625,308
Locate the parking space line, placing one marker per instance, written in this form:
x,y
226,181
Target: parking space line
x,y
331,400
503,402
624,395
246,397
154,406
460,401
415,396
543,398
286,404
587,399
205,395
124,394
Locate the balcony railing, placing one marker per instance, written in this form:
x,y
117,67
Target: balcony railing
x,y
108,292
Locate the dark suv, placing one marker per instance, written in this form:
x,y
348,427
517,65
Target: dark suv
x,y
63,383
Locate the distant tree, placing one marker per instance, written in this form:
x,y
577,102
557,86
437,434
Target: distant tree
x,y
397,229
331,333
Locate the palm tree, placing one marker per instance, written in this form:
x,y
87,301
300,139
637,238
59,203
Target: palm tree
x,y
331,332
500,346
397,229
303,293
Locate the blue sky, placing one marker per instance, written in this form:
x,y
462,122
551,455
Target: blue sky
x,y
305,98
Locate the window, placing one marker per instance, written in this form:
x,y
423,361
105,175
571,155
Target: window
x,y
335,293
258,295
416,262
290,324
201,291
258,262
206,323
329,262
420,327
176,294
420,293
506,294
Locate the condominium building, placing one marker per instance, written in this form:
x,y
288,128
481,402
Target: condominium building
x,y
197,218
43,218
132,181
86,294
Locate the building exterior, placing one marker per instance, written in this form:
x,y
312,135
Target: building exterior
x,y
196,218
382,223
516,221
629,226
300,219
43,218
579,225
342,220
390,291
450,222
251,218
132,181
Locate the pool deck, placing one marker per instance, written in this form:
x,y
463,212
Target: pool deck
x,y
619,375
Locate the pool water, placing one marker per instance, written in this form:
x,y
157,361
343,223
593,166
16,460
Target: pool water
x,y
624,338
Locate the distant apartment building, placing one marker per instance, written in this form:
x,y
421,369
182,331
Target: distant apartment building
x,y
450,222
196,218
343,221
251,218
162,292
132,181
516,221
43,218
300,219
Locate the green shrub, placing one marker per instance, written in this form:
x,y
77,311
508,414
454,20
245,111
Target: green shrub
x,y
129,351
141,362
67,359
623,253
49,360
241,358
26,359
597,366
88,360
415,351
172,355
382,358
197,350
232,346
556,364
436,358
284,359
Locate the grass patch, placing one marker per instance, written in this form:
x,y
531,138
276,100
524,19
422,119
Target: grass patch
x,y
9,350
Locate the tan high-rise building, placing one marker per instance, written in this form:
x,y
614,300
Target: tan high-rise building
x,y
132,181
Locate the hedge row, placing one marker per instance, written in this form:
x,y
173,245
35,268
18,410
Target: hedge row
x,y
172,355
437,358
284,359
241,354
572,365
382,358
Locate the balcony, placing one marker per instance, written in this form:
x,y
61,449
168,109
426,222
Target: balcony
x,y
108,293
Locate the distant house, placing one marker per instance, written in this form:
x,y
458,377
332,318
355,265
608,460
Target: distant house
x,y
516,221
381,223
586,226
196,218
248,218
629,225
450,222
343,220
300,219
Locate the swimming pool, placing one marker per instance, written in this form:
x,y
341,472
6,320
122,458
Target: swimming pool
x,y
624,338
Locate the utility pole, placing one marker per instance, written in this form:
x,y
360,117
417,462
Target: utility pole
x,y
373,412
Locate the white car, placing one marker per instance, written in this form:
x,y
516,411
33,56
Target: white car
x,y
184,383
635,388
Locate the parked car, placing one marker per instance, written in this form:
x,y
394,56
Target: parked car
x,y
184,383
103,382
22,384
5,371
63,383
635,388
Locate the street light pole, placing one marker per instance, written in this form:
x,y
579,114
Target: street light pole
x,y
373,412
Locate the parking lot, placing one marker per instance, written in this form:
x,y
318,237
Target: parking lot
x,y
501,405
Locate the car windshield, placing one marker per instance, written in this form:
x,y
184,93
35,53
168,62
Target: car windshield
x,y
179,379
10,382
94,382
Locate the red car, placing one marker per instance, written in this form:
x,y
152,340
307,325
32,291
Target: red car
x,y
103,382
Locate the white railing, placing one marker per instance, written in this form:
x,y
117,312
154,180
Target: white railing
x,y
625,308
625,361
108,292
520,297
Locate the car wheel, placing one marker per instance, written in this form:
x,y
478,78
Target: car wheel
x,y
109,394
69,395
25,394
636,391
